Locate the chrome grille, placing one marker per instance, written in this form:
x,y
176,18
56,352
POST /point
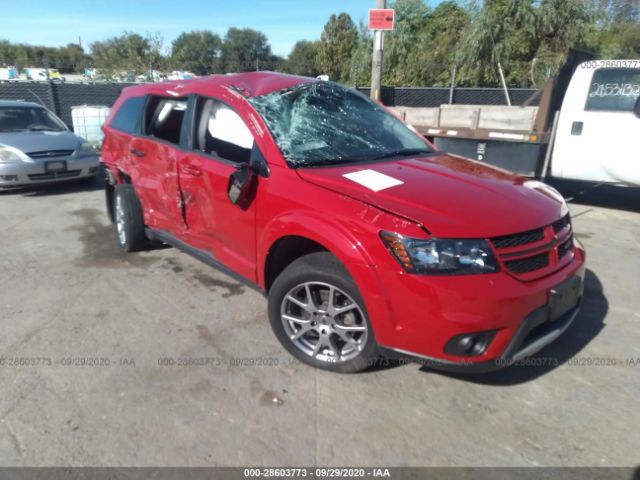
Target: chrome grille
x,y
50,154
54,175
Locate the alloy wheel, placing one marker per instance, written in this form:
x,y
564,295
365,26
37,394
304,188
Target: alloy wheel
x,y
120,220
324,322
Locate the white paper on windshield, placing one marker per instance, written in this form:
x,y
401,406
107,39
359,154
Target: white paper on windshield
x,y
373,180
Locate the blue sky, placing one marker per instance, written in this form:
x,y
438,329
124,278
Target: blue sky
x,y
58,22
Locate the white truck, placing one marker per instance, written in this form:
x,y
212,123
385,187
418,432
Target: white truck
x,y
586,127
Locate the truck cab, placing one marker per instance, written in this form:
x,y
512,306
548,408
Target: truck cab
x,y
597,135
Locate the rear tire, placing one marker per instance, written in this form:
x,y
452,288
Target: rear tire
x,y
128,219
318,315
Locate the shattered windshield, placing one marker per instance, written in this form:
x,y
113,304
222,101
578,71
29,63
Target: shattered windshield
x,y
323,123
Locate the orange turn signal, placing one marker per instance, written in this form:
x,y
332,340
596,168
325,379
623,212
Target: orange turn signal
x,y
394,244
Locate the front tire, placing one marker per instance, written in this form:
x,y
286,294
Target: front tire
x,y
318,315
128,219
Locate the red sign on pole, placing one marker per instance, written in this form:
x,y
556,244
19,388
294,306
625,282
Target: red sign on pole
x,y
381,19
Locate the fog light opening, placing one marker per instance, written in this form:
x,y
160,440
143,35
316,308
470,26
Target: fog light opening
x,y
469,344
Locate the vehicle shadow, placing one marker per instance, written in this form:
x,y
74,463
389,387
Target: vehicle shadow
x,y
71,186
599,195
586,326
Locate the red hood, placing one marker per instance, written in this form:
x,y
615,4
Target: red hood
x,y
451,197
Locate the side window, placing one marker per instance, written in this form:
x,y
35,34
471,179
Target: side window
x,y
614,89
127,118
163,118
221,132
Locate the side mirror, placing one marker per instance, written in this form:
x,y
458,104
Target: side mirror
x,y
242,185
636,108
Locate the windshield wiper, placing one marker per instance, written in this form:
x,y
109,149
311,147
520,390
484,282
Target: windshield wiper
x,y
405,152
42,129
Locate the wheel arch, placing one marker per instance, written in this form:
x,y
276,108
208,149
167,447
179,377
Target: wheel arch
x,y
324,233
113,176
289,237
284,251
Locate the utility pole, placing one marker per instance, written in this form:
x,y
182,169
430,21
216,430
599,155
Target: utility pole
x,y
376,64
504,84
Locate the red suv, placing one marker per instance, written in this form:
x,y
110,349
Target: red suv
x,y
364,237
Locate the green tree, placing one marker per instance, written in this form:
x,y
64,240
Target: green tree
x,y
197,51
360,71
424,48
619,40
618,29
246,49
337,44
500,31
302,59
274,63
67,59
410,21
129,51
435,54
618,11
560,25
7,53
71,58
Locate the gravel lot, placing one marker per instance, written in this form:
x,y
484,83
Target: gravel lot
x,y
67,293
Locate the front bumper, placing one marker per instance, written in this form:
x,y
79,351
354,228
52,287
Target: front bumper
x,y
24,174
420,314
536,332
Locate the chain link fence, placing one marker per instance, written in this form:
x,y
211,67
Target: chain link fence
x,y
61,97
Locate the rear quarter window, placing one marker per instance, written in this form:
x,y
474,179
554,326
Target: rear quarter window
x,y
129,116
614,90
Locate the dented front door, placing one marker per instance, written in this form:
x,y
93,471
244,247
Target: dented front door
x,y
213,222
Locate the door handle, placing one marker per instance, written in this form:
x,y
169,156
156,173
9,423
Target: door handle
x,y
576,128
138,153
191,170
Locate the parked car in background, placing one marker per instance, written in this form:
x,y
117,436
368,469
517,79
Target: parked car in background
x,y
43,75
124,76
8,73
181,75
151,76
36,147
364,237
55,76
91,74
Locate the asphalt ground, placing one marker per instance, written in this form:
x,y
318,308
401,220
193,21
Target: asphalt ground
x,y
154,359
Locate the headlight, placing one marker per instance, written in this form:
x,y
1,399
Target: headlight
x,y
86,149
441,256
9,154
